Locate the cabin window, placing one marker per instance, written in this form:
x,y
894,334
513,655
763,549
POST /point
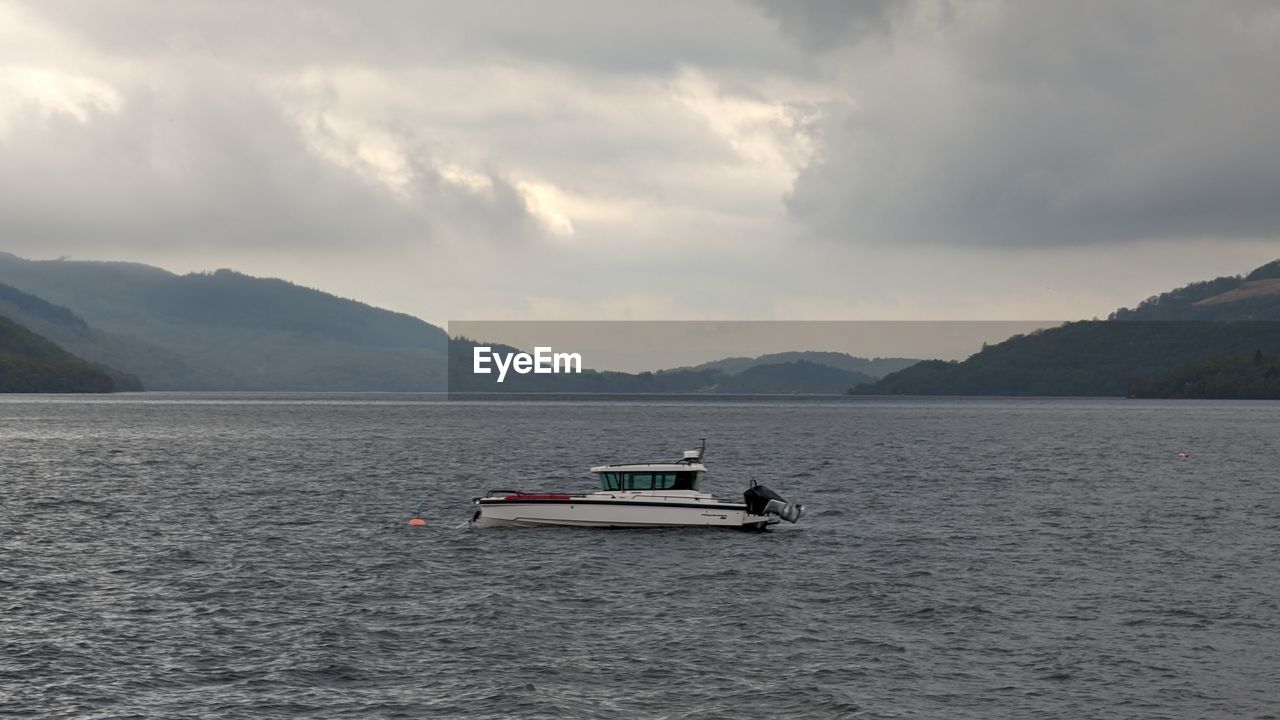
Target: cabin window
x,y
678,480
639,481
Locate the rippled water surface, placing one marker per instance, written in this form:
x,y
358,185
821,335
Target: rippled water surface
x,y
242,556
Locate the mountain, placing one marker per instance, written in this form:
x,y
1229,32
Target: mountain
x,y
1246,376
874,367
70,332
31,364
1255,296
1091,358
800,377
224,330
1183,327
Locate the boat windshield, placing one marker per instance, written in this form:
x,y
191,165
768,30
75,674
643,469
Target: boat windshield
x,y
667,480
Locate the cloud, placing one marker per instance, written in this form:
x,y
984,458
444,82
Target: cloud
x,y
824,24
1031,124
246,125
717,158
620,39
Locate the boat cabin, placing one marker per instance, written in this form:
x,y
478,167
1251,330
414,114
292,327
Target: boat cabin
x,y
649,477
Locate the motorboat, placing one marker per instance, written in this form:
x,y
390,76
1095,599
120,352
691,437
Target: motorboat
x,y
638,495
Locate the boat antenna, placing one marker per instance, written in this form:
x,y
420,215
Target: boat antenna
x,y
694,456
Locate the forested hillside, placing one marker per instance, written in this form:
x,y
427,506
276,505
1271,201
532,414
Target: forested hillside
x,y
31,364
1246,376
873,367
1184,327
223,330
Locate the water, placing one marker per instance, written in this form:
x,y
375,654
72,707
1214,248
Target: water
x,y
248,556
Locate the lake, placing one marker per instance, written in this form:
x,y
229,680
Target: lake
x,y
230,556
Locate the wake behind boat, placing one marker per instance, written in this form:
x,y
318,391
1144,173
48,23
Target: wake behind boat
x,y
638,495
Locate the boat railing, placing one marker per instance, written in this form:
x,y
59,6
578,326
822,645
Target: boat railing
x,y
617,494
519,494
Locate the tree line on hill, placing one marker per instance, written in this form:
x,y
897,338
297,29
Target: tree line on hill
x,y
767,378
1245,376
1134,351
1091,358
220,330
32,364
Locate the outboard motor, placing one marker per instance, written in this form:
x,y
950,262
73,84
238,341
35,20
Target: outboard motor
x,y
761,500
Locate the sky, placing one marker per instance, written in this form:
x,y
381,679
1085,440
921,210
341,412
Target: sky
x,y
712,160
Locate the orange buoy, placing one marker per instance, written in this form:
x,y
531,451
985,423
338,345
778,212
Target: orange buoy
x,y
418,522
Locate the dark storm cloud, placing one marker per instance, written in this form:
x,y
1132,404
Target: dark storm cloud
x,y
823,24
1057,123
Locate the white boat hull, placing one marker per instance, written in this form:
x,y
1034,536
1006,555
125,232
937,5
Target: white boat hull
x,y
586,512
